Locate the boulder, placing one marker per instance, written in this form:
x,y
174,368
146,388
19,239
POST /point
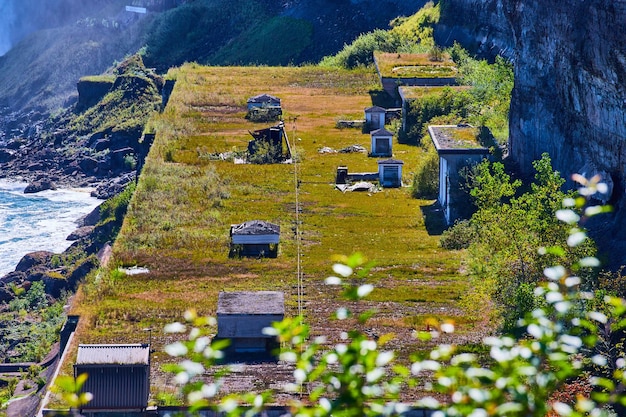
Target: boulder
x,y
39,185
81,271
88,165
6,155
80,233
90,219
12,278
34,260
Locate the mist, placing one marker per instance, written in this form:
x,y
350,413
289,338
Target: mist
x,y
19,18
7,21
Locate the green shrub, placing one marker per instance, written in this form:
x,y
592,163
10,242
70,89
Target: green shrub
x,y
459,236
426,178
115,207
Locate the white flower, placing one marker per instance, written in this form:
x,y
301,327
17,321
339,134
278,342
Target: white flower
x,y
576,238
176,349
288,357
364,290
367,345
195,396
554,296
567,216
447,328
325,404
192,368
374,375
331,358
343,270
181,378
299,375
597,316
571,340
174,328
463,358
333,281
269,331
429,402
599,360
479,412
209,390
554,273
562,408
593,210
589,262
228,405
194,333
569,202
384,358
201,344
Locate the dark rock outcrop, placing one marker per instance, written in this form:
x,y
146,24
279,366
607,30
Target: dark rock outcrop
x,y
80,233
39,185
569,98
34,260
91,90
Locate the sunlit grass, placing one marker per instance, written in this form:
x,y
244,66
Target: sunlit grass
x,y
179,218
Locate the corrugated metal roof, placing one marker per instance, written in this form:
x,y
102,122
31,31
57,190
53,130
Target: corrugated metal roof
x,y
263,98
255,227
251,302
130,354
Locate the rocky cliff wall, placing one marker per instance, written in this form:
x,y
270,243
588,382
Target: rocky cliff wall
x,y
569,97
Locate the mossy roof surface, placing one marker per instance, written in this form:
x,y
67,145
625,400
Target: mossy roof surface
x,y
417,92
456,137
399,65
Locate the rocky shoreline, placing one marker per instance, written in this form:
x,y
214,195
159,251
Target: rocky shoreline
x,y
65,161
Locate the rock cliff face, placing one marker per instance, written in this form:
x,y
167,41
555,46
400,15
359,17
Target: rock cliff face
x,y
569,97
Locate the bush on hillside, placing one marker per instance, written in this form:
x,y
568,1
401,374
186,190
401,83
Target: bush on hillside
x,y
426,178
199,29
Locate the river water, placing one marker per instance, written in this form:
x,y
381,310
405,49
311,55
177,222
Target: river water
x,y
41,221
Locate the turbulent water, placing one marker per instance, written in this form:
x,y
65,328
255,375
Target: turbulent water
x,y
33,222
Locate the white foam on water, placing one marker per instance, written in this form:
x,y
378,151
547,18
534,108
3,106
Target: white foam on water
x,y
38,222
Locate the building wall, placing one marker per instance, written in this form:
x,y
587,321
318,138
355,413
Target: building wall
x,y
375,149
116,387
452,194
397,182
375,120
244,325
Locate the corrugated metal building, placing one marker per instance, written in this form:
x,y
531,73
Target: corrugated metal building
x,y
241,318
263,100
255,238
119,375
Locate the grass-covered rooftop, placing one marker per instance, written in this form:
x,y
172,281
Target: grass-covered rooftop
x,y
178,221
407,65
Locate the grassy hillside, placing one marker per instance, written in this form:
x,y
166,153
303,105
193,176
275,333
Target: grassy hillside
x,y
213,32
178,220
41,71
